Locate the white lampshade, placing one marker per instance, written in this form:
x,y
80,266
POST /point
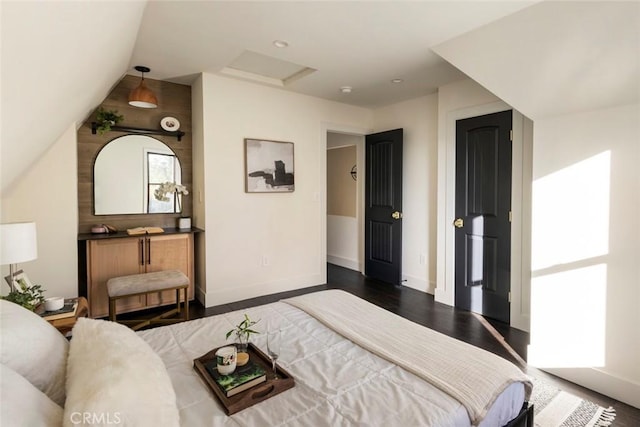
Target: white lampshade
x,y
18,242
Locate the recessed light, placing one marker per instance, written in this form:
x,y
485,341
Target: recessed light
x,y
397,81
346,89
280,43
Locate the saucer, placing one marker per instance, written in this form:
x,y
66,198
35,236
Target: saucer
x,y
170,124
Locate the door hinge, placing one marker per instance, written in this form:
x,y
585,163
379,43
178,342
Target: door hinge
x,y
510,216
509,296
511,135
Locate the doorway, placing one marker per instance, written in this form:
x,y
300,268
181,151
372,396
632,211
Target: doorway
x,y
483,215
385,148
344,236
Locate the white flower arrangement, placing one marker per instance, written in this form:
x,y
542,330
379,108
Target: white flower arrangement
x,y
161,193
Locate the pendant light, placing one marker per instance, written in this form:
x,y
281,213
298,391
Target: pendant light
x,y
142,96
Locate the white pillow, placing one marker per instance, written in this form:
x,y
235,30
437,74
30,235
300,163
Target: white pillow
x,y
34,349
23,404
114,377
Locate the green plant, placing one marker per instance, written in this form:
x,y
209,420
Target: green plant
x,y
243,330
28,297
106,119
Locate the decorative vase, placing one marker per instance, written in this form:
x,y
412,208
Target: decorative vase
x,y
184,223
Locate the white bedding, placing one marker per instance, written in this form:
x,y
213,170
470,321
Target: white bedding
x,y
337,382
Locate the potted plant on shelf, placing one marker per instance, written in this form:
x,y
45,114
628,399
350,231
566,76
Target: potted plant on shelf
x,y
243,334
107,118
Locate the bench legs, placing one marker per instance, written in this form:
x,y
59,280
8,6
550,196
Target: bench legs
x,y
186,303
161,318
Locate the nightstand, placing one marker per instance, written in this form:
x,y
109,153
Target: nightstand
x,y
65,325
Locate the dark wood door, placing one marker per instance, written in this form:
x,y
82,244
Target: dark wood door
x,y
383,206
482,209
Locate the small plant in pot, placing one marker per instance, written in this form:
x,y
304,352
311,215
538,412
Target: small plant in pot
x,y
243,334
30,297
107,118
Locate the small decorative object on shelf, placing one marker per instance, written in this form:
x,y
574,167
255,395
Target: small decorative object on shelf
x,y
184,223
170,124
107,119
243,333
103,229
137,231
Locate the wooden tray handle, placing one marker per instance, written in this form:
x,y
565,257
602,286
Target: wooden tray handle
x,y
262,392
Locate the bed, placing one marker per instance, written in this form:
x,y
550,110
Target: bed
x,y
354,364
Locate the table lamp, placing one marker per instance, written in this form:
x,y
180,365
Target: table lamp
x,y
17,244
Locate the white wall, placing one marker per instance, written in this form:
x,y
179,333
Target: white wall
x,y
264,243
419,119
199,217
54,71
555,57
47,194
342,241
586,241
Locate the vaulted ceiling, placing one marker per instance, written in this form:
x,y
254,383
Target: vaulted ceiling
x,y
61,58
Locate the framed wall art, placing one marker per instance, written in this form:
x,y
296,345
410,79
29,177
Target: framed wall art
x,y
21,280
269,166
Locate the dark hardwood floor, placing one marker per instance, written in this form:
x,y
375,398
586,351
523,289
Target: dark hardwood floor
x,y
421,308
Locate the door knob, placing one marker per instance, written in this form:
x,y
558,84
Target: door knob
x,y
396,215
458,223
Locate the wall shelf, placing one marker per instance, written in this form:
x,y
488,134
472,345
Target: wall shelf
x,y
140,131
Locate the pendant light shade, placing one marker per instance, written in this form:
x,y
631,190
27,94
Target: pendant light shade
x,y
142,96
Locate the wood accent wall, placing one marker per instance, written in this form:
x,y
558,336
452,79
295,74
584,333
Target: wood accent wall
x,y
173,100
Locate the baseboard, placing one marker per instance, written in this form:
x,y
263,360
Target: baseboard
x,y
521,322
621,389
201,295
351,264
444,297
418,283
238,293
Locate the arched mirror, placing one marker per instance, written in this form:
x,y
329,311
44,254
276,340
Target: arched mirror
x,y
127,173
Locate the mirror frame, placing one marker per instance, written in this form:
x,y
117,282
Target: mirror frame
x,y
122,161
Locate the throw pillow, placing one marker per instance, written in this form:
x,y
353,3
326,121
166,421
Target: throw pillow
x,y
34,349
114,377
23,404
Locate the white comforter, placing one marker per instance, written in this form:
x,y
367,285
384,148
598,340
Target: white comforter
x,y
338,383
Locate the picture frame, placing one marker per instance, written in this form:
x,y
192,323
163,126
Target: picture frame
x,y
20,278
269,166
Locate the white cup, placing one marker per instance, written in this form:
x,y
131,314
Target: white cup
x,y
53,303
226,359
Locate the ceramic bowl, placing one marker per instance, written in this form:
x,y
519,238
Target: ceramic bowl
x,y
53,303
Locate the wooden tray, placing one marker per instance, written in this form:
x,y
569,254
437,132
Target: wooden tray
x,y
255,394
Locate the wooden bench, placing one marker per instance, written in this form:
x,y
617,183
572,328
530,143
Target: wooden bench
x,y
148,283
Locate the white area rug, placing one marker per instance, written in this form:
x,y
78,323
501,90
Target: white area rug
x,y
554,408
